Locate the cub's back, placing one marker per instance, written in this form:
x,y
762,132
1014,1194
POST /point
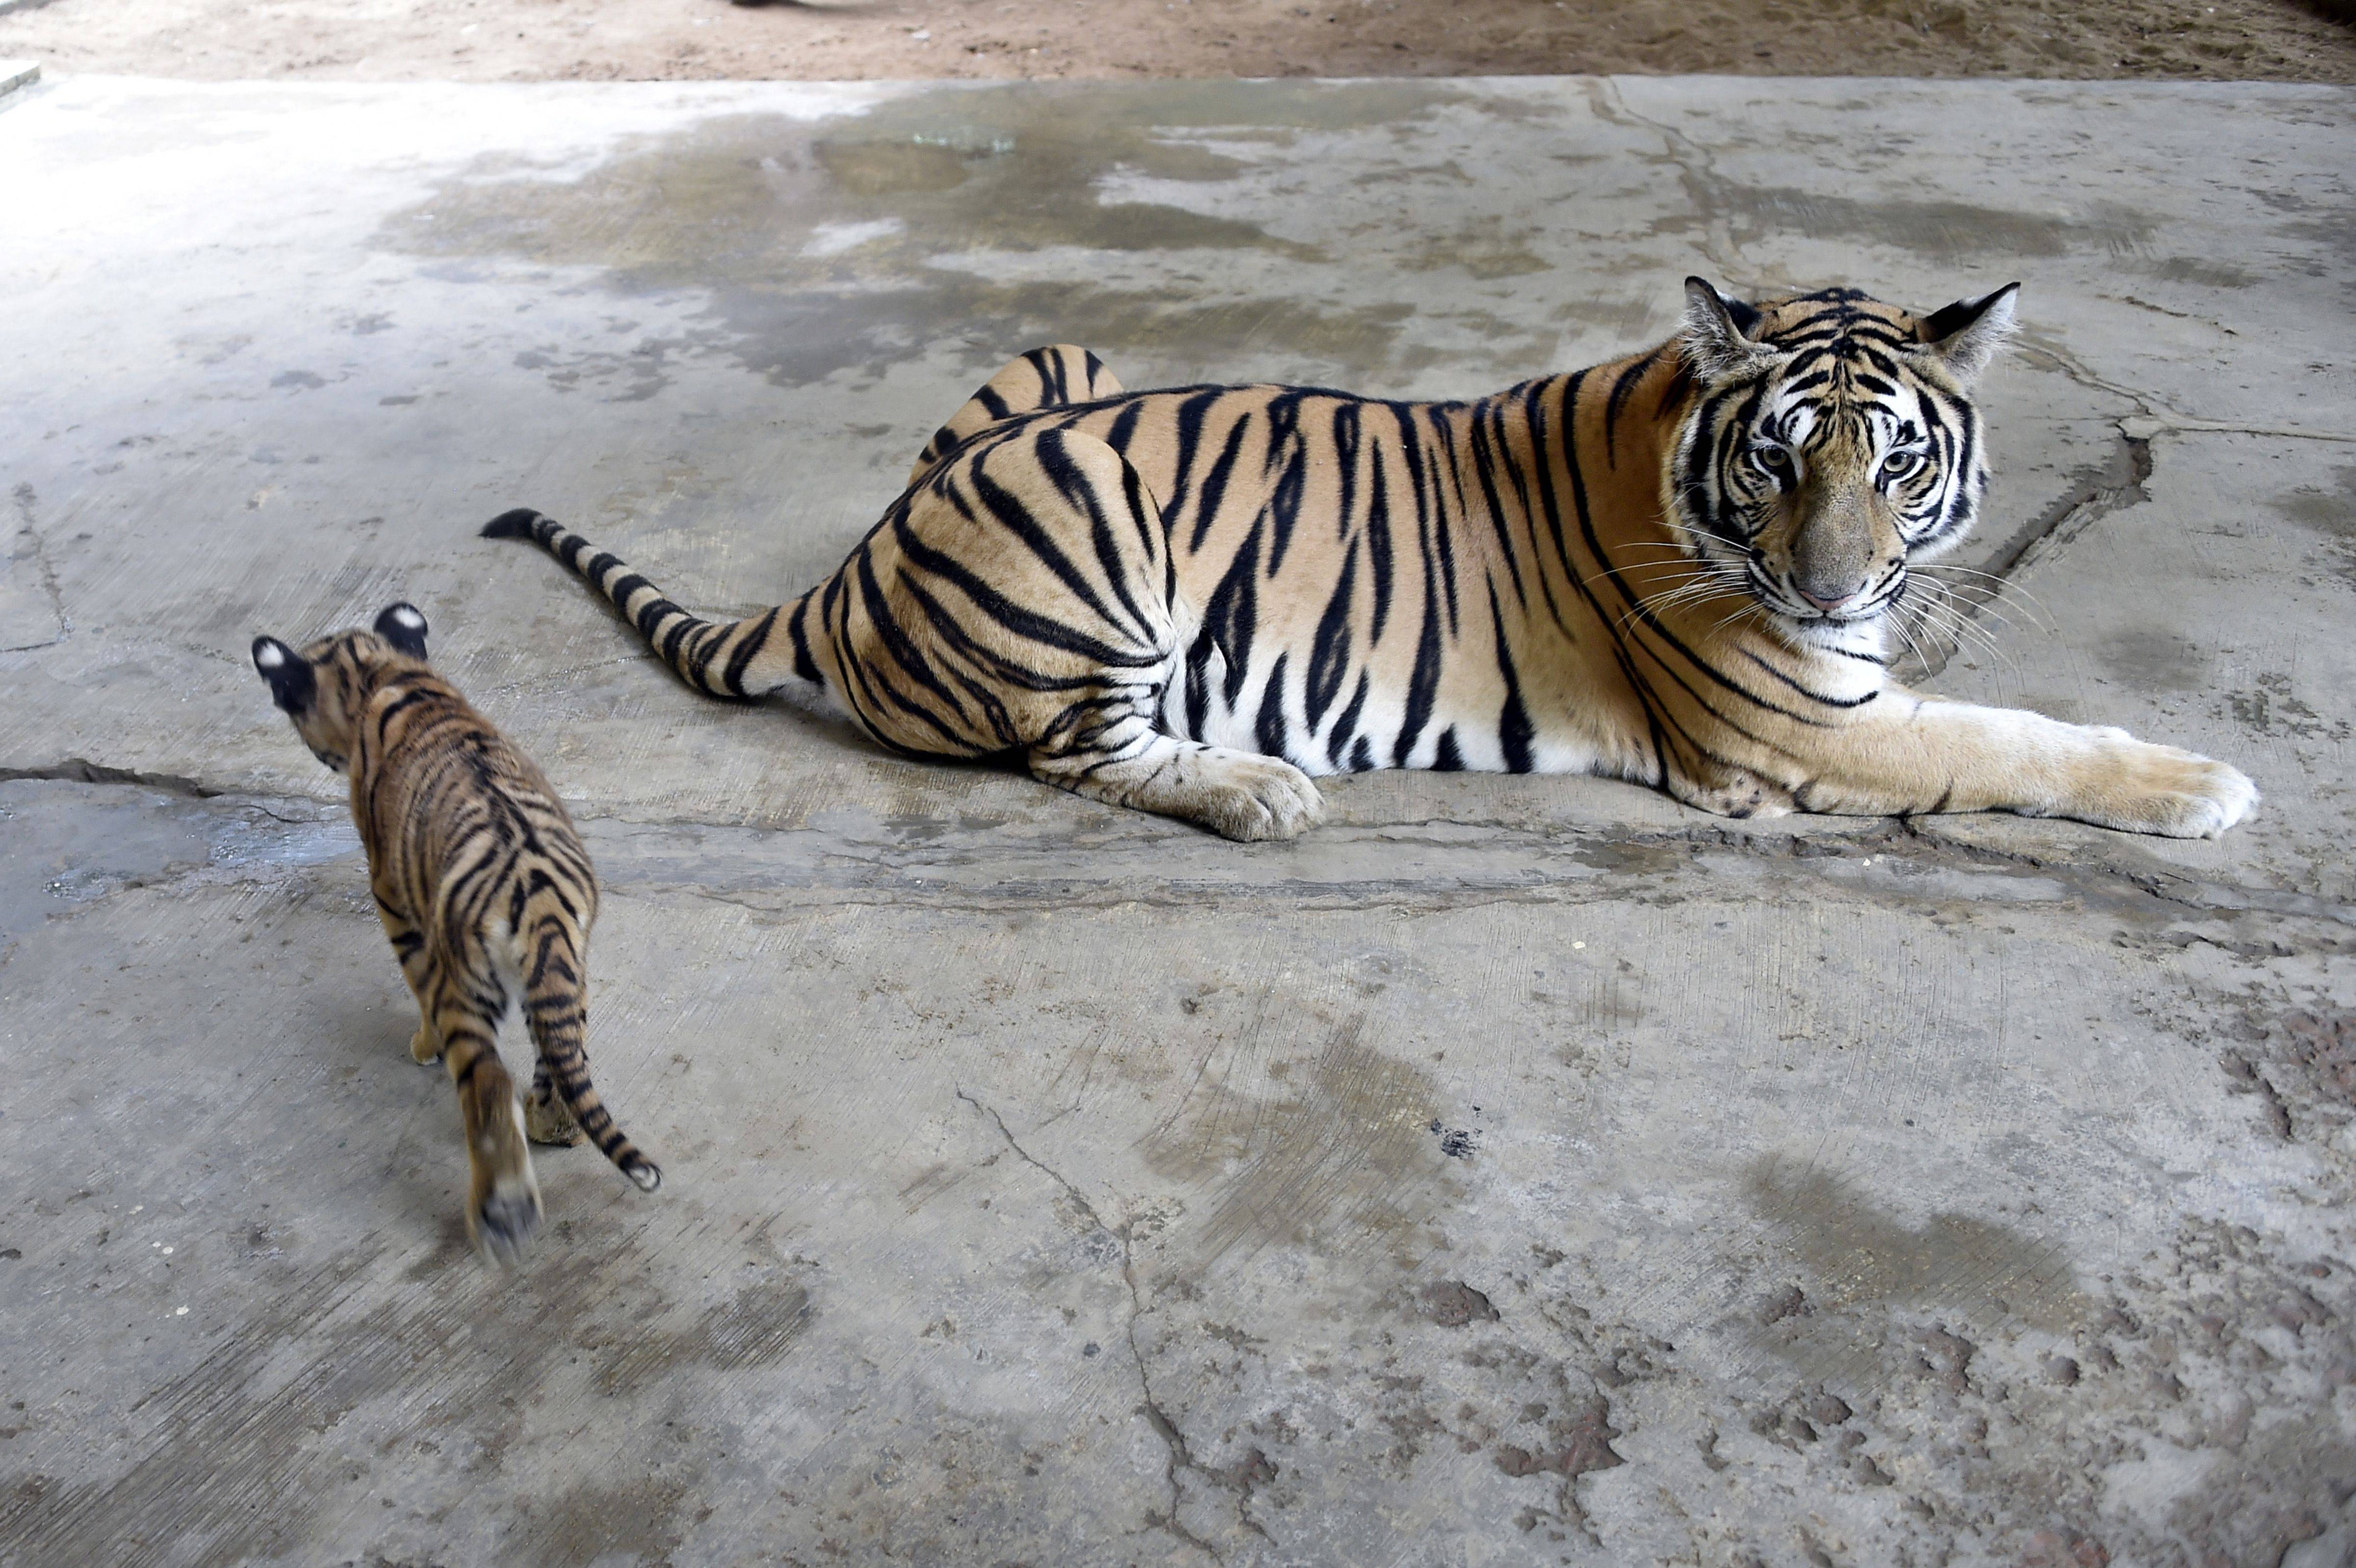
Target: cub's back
x,y
456,813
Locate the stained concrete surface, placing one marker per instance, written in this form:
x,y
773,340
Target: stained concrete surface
x,y
1514,1170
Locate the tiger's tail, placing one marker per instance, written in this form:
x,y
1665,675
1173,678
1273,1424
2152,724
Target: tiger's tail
x,y
555,1003
747,658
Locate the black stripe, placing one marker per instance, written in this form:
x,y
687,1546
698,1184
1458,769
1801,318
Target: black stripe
x,y
1215,484
1346,726
1811,696
803,665
747,651
1329,652
1270,731
1514,730
1624,385
1423,682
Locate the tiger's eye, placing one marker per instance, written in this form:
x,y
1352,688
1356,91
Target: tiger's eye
x,y
1898,464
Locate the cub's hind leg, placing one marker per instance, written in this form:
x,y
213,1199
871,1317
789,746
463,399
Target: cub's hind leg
x,y
502,1195
547,1119
556,1009
416,958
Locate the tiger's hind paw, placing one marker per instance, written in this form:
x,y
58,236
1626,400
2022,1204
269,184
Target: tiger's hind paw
x,y
424,1046
1237,794
548,1120
1251,798
1735,793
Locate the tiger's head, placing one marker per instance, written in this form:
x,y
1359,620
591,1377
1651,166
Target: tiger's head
x,y
1832,444
325,688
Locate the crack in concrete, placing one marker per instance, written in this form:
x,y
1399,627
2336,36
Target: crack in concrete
x,y
2223,898
2103,882
1696,171
2153,415
81,770
1181,1457
1915,837
25,497
2097,491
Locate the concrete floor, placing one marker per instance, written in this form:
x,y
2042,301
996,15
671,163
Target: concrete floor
x,y
1514,1170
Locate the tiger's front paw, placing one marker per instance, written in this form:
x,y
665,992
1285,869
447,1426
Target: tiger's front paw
x,y
2138,787
425,1046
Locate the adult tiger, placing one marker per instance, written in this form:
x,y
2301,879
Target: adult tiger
x,y
1678,568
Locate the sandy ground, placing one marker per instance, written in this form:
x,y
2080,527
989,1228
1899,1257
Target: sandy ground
x,y
530,41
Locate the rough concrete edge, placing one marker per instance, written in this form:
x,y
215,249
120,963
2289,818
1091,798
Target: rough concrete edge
x,y
16,74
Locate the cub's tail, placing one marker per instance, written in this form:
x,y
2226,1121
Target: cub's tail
x,y
556,1012
751,658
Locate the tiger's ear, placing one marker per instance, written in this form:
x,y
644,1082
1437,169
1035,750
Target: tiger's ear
x,y
1718,332
292,684
1968,334
404,628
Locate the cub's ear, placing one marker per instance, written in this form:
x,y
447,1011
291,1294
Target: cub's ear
x,y
1718,332
1968,334
291,685
404,628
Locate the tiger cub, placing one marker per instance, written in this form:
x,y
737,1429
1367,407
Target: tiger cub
x,y
483,887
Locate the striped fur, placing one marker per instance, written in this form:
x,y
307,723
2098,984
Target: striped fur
x,y
484,889
1685,567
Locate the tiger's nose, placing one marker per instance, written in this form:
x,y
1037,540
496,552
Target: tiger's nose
x,y
1827,606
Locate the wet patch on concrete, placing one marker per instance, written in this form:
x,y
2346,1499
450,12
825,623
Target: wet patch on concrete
x,y
752,1328
1855,1255
1336,1145
2329,513
1948,233
65,841
2153,661
837,245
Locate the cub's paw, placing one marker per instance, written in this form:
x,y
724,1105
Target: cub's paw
x,y
425,1046
1251,798
503,1199
2142,788
504,1219
548,1120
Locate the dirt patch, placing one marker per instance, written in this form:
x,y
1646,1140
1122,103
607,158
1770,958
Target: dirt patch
x,y
539,40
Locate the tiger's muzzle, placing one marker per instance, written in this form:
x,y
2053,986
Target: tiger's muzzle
x,y
1839,558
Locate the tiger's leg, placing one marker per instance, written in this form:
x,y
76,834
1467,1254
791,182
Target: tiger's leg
x,y
1923,754
502,1196
556,1009
1237,794
547,1119
1021,598
416,957
1054,377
